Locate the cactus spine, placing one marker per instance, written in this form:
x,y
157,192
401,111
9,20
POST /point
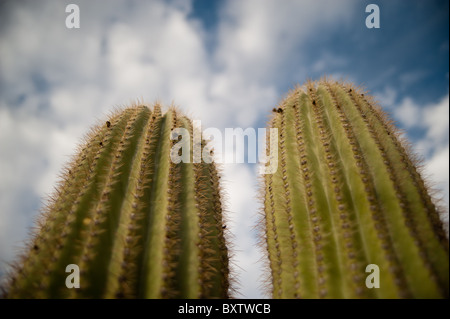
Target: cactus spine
x,y
348,194
136,224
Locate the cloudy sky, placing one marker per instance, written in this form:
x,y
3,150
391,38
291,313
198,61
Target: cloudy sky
x,y
226,63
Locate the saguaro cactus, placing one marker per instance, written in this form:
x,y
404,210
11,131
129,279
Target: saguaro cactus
x,y
348,194
136,224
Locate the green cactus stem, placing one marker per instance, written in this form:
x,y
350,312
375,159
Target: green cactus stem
x,y
137,224
347,194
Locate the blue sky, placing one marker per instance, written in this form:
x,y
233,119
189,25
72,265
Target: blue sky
x,y
226,63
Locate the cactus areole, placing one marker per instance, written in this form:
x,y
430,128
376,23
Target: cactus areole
x,y
348,197
135,224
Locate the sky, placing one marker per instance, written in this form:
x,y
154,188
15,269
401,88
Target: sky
x,y
226,63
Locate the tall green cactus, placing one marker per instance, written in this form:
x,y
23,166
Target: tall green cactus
x,y
347,194
136,224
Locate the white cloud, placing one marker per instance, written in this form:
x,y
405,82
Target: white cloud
x,y
436,120
408,113
259,36
432,117
387,97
